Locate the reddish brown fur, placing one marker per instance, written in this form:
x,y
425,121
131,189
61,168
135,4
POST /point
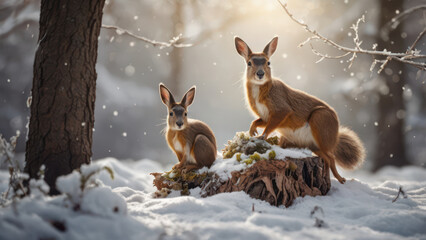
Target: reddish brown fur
x,y
197,144
303,120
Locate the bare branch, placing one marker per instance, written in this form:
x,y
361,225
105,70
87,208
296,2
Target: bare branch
x,y
407,57
326,55
384,63
355,27
394,23
174,42
417,40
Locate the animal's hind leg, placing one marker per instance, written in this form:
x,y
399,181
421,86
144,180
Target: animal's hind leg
x,y
325,130
330,161
203,151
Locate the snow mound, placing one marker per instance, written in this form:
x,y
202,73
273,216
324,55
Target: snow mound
x,y
358,209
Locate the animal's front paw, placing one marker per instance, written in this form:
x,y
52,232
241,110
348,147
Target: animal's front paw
x,y
177,166
253,131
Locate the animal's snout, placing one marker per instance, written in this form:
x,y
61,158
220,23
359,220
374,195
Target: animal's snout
x,y
260,74
179,123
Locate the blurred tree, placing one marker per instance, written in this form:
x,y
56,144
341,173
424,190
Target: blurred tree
x,y
391,109
18,27
198,11
176,54
64,84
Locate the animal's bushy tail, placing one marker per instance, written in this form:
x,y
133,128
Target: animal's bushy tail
x,y
350,151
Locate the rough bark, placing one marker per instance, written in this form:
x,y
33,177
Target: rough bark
x,y
275,181
390,148
64,84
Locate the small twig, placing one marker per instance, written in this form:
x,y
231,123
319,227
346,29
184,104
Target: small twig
x,y
383,65
319,223
400,191
416,41
317,209
355,27
326,55
352,60
174,42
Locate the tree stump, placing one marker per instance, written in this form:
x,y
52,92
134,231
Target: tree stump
x,y
276,181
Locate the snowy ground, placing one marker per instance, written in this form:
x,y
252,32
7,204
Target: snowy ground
x,y
360,209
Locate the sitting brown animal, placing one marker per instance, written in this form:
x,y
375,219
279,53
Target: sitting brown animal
x,y
192,140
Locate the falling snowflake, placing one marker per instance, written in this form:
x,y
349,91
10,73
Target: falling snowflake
x,y
129,70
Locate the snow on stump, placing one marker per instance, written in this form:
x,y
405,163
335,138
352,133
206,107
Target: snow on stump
x,y
260,168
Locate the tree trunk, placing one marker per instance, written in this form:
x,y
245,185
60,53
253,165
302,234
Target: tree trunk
x,y
64,84
390,148
175,80
275,181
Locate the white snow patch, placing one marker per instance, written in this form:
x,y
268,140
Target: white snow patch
x,y
358,209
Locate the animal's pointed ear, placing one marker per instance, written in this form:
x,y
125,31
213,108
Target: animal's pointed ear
x,y
242,48
166,95
271,47
188,97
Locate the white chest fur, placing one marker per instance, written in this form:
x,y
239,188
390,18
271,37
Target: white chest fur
x,y
260,107
302,137
183,149
177,145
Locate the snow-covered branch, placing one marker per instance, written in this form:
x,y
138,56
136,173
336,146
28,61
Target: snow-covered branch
x,y
174,42
408,57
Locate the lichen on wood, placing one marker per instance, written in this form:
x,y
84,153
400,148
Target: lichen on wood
x,y
177,180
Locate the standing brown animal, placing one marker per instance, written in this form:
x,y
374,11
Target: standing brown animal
x,y
192,140
303,121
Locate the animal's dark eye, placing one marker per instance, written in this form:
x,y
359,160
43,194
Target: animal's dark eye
x,y
269,63
249,64
171,114
186,114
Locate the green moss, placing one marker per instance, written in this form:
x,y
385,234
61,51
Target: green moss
x,y
173,175
248,161
189,176
238,157
230,153
272,155
255,157
273,140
